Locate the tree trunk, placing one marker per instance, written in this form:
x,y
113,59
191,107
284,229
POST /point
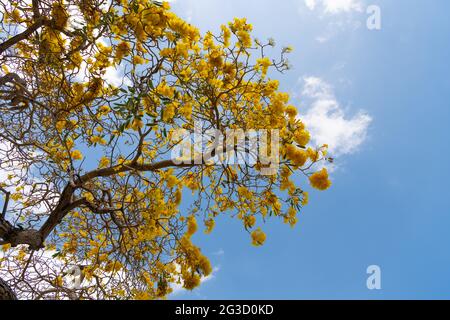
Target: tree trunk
x,y
6,293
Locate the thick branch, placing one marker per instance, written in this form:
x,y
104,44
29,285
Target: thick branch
x,y
39,22
21,36
6,293
5,205
12,78
105,172
65,205
59,212
35,238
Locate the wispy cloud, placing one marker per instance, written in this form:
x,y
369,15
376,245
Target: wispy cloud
x,y
219,252
334,6
328,122
335,16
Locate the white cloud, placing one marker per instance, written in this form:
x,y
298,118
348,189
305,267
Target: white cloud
x,y
114,75
328,122
311,4
334,6
219,252
323,38
335,16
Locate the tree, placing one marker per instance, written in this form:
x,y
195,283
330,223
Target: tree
x,y
93,94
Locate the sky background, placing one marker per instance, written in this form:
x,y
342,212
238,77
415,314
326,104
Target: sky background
x,y
381,100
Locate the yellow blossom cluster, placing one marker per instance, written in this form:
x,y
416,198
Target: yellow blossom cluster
x,y
320,180
258,237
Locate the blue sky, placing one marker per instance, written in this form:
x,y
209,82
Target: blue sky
x,y
386,96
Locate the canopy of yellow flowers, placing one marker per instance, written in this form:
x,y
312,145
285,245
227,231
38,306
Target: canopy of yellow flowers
x,y
122,218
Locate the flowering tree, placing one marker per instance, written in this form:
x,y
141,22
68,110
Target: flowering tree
x,y
92,93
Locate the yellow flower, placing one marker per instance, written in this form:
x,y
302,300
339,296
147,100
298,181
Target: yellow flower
x,y
297,156
292,212
69,143
122,50
245,39
264,63
104,162
60,125
210,223
285,172
171,181
186,110
249,221
16,196
288,49
177,197
291,111
204,265
191,226
138,60
258,237
166,52
137,124
59,281
102,257
142,295
164,90
166,5
305,198
291,217
313,155
104,109
226,35
319,180
97,139
169,112
302,137
15,15
76,155
191,281
60,16
82,233
216,58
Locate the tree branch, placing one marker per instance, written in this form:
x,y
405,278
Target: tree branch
x,y
5,205
36,238
21,36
